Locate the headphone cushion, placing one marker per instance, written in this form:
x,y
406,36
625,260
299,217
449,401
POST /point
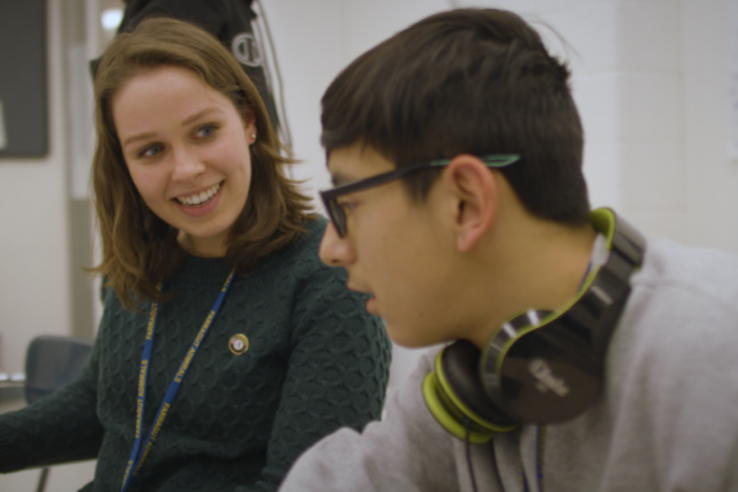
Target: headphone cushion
x,y
460,366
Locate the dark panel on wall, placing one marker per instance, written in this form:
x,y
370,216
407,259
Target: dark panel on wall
x,y
23,96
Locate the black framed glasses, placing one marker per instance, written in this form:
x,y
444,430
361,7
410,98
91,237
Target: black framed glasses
x,y
337,213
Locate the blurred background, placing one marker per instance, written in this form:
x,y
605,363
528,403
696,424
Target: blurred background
x,y
654,81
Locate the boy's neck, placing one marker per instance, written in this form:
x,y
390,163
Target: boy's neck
x,y
529,263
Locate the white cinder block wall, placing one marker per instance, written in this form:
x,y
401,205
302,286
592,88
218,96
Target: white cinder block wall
x,y
711,178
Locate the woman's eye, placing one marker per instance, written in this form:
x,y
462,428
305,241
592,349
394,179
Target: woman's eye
x,y
150,151
206,131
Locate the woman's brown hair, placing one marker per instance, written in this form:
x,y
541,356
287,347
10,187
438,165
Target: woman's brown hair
x,y
138,248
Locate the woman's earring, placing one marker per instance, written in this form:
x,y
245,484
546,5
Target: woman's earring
x,y
253,137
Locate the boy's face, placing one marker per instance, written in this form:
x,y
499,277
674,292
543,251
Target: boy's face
x,y
395,250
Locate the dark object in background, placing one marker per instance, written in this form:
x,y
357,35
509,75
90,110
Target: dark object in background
x,y
228,20
51,363
24,112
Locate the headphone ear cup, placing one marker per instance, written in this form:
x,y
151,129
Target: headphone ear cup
x,y
459,367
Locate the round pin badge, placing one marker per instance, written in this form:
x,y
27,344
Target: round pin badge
x,y
238,344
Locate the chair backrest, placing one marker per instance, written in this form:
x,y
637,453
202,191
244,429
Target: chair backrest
x,y
53,362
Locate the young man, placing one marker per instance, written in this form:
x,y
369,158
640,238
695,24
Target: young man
x,y
585,357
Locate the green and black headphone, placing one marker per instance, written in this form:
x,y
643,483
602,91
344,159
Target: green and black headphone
x,y
539,367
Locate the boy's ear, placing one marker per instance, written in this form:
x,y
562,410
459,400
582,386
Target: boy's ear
x,y
474,195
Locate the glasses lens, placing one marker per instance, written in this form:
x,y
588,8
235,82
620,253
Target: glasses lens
x,y
338,216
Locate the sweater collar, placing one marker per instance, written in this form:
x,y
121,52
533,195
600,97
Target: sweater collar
x,y
214,270
202,270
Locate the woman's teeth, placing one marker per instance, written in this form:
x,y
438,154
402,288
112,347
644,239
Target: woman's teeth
x,y
199,198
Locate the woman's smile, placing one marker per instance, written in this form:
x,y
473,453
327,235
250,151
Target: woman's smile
x,y
199,198
200,204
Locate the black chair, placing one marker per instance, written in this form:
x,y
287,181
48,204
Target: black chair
x,y
53,362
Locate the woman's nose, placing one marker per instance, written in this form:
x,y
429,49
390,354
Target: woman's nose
x,y
187,165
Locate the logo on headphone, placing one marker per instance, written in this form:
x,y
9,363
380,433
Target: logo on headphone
x,y
547,380
247,50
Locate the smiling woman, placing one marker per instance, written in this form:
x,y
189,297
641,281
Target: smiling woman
x,y
226,347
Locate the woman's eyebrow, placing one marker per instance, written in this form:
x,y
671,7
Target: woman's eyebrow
x,y
140,136
187,121
199,115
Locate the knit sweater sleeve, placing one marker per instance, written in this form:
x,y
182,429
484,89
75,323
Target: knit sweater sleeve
x,y
60,428
337,371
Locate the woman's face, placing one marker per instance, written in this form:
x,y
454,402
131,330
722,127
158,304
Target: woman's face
x,y
187,149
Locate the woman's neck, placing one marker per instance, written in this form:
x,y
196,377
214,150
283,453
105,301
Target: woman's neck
x,y
204,247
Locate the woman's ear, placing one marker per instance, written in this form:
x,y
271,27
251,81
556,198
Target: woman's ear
x,y
249,123
475,196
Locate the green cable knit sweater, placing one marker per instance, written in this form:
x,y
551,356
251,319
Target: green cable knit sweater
x,y
317,361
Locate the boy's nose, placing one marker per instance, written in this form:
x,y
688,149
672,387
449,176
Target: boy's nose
x,y
335,250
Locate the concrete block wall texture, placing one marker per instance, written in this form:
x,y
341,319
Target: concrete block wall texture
x,y
652,166
711,176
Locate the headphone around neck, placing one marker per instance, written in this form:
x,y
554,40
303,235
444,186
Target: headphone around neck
x,y
541,366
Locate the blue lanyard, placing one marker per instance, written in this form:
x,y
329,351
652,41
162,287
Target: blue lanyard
x,y
138,456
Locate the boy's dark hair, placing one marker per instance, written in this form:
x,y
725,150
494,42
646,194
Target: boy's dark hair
x,y
477,81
